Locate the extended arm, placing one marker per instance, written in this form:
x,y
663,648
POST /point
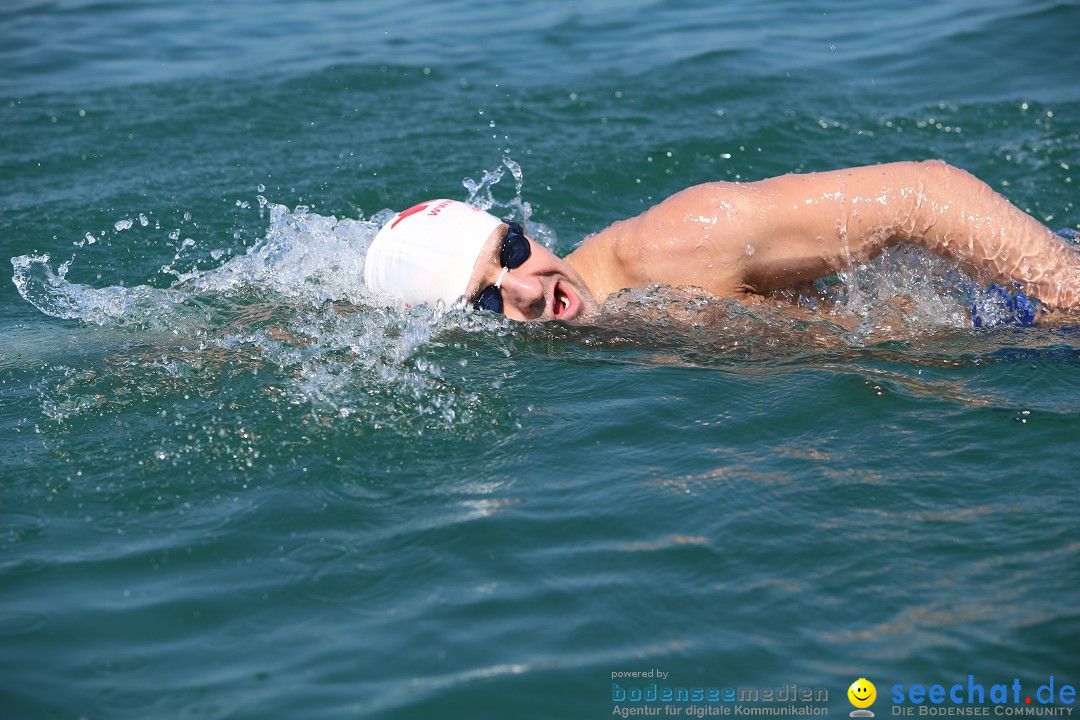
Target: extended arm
x,y
731,238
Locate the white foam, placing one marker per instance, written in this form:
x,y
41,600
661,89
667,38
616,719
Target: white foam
x,y
51,293
303,256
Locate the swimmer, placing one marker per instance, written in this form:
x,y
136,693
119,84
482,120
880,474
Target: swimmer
x,y
728,239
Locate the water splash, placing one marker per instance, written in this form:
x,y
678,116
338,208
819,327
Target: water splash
x,y
904,292
481,195
303,257
141,306
291,317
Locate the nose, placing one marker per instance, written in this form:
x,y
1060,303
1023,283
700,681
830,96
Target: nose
x,y
524,293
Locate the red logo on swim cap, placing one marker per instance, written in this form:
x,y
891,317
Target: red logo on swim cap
x,y
411,211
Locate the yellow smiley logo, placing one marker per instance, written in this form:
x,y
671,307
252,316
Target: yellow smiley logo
x,y
862,693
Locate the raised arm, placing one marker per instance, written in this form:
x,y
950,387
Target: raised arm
x,y
731,238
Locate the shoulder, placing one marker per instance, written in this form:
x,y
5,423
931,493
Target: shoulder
x,y
691,238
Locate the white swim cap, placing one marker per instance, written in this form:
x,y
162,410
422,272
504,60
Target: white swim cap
x,y
427,253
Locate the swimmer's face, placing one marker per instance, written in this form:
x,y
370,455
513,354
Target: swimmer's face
x,y
862,693
544,287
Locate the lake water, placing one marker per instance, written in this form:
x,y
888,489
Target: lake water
x,y
233,487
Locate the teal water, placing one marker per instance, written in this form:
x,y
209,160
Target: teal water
x,y
231,487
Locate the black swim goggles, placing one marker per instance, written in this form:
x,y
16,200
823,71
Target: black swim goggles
x,y
514,251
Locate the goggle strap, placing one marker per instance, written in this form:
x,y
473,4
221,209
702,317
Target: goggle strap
x,y
498,283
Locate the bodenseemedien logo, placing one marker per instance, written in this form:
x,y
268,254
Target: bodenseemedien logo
x,y
862,694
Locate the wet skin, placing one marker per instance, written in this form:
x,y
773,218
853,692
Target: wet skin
x,y
740,239
544,287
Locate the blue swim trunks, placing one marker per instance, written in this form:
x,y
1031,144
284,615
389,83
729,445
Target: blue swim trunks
x,y
1001,307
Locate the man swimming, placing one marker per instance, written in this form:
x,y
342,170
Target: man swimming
x,y
729,239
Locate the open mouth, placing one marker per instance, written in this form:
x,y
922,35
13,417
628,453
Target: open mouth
x,y
564,304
